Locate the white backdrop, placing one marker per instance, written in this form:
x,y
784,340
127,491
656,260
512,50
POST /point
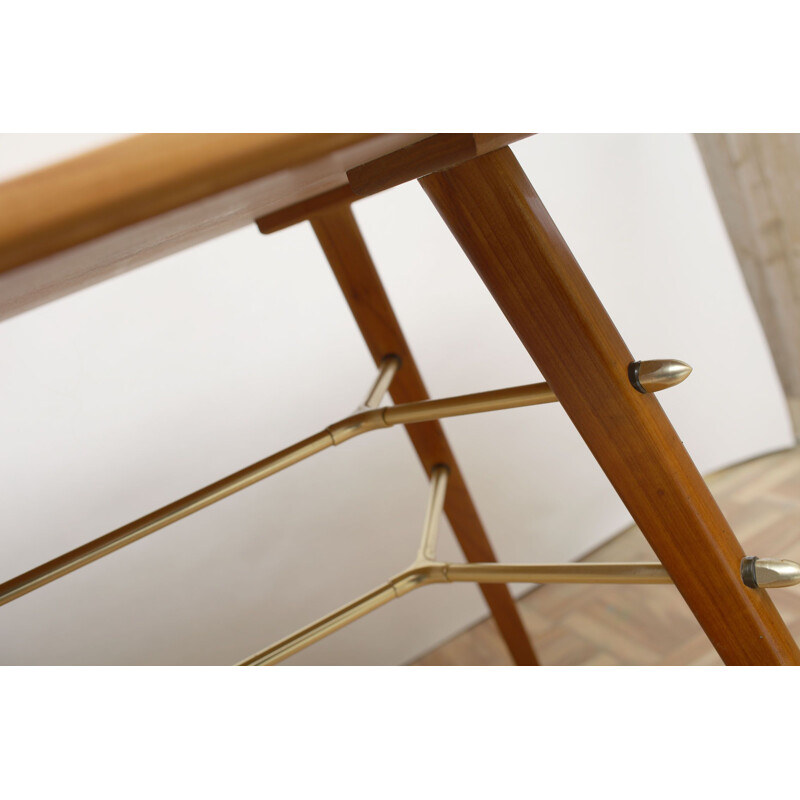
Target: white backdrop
x,y
128,395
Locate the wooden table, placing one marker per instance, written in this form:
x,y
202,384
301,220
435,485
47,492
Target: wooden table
x,y
68,226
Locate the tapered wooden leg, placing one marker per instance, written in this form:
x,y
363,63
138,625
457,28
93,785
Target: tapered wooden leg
x,y
347,253
500,222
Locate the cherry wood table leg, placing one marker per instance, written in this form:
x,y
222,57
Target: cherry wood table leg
x,y
499,221
347,253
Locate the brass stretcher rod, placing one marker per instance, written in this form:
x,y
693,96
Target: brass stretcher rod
x,y
439,572
653,376
426,570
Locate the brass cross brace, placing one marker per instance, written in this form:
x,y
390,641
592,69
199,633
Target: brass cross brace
x,y
426,569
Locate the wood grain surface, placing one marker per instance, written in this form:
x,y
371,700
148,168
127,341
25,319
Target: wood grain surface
x,y
300,212
107,211
500,222
437,152
347,253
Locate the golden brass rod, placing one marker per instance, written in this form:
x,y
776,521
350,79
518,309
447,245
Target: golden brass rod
x,y
402,583
653,375
33,579
433,513
631,572
772,572
388,368
322,627
494,400
422,574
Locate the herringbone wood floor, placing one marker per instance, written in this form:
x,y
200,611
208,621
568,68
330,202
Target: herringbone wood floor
x,y
639,625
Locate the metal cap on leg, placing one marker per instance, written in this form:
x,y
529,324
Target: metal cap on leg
x,y
652,376
769,573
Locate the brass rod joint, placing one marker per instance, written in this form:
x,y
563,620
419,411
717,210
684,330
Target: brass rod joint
x,y
433,513
653,375
362,421
386,372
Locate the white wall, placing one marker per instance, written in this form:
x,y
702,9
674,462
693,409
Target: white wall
x,y
128,395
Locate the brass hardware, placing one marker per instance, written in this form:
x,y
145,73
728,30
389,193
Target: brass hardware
x,y
423,571
654,375
81,556
386,372
426,570
663,373
362,421
322,628
423,574
630,572
433,513
769,573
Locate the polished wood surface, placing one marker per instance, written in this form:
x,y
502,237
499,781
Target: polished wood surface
x,y
352,265
585,625
756,180
434,153
500,222
300,212
438,152
94,216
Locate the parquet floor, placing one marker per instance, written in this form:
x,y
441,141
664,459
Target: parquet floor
x,y
640,625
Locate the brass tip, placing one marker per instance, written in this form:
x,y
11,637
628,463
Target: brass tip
x,y
769,573
662,373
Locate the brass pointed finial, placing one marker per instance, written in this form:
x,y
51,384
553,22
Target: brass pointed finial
x,y
652,376
769,573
